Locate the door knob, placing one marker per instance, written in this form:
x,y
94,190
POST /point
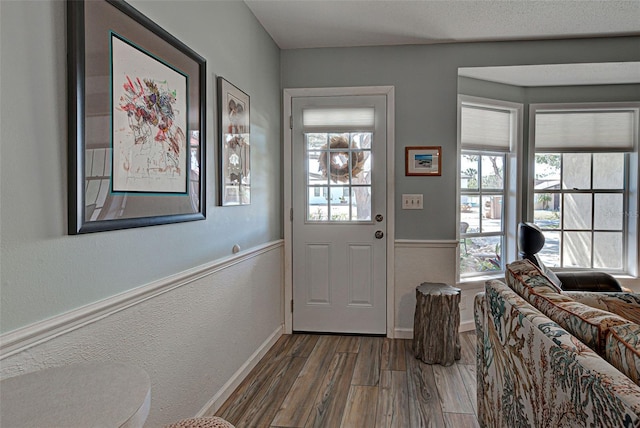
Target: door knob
x,y
379,234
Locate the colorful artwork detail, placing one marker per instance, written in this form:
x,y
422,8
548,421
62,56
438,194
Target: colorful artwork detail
x,y
236,111
149,123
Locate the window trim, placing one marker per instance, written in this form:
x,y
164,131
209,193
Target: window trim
x,y
513,181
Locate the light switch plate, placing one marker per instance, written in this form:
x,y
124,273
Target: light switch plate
x,y
411,201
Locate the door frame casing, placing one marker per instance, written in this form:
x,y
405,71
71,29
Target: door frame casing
x,y
288,95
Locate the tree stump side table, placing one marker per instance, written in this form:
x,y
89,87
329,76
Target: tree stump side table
x,y
436,322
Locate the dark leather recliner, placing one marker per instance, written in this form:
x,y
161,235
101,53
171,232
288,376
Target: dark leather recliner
x,y
531,241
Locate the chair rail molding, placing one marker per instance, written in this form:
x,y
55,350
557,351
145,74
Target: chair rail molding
x,y
23,338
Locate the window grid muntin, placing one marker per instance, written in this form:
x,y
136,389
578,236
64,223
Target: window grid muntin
x,y
562,192
480,192
329,184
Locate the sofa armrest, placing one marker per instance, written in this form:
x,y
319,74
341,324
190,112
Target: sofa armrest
x,y
480,320
588,281
537,374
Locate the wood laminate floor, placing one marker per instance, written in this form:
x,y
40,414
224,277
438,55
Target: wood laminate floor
x,y
308,380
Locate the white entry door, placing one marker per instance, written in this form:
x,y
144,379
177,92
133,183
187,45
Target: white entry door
x,y
339,214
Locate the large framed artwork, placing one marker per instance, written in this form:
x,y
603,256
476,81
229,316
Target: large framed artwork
x,y
136,121
235,154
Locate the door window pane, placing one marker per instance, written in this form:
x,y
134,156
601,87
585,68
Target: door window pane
x,y
361,203
318,203
316,141
361,167
314,175
361,140
339,203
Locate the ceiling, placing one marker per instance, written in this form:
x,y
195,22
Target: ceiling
x,y
603,73
296,24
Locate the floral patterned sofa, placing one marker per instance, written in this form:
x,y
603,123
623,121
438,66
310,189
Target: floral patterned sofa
x,y
548,358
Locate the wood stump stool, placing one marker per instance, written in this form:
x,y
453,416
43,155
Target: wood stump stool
x,y
436,322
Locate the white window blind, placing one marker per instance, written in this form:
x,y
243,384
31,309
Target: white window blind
x,y
585,130
356,117
485,128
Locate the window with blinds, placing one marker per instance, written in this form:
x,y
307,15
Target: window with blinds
x,y
362,118
487,135
483,127
605,130
581,167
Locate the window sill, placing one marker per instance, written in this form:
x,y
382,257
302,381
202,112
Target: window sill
x,y
478,281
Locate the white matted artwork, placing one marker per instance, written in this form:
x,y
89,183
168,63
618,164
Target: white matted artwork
x,y
137,121
235,147
149,113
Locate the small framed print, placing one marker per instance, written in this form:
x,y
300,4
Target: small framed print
x,y
426,160
235,154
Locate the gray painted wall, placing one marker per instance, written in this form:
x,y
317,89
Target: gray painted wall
x,y
45,272
426,88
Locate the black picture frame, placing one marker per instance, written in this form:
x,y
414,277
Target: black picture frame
x,y
234,125
100,121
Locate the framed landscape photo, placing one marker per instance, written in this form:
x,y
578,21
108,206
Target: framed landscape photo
x,y
136,121
425,160
235,146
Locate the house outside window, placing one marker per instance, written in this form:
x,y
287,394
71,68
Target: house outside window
x,y
488,184
583,185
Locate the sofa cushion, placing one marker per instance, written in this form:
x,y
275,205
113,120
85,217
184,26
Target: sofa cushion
x,y
626,305
525,278
623,349
588,324
531,372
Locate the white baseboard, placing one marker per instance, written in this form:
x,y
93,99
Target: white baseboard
x,y
407,333
403,333
227,389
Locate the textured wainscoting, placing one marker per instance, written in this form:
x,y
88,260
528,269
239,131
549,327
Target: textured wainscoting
x,y
425,261
197,333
